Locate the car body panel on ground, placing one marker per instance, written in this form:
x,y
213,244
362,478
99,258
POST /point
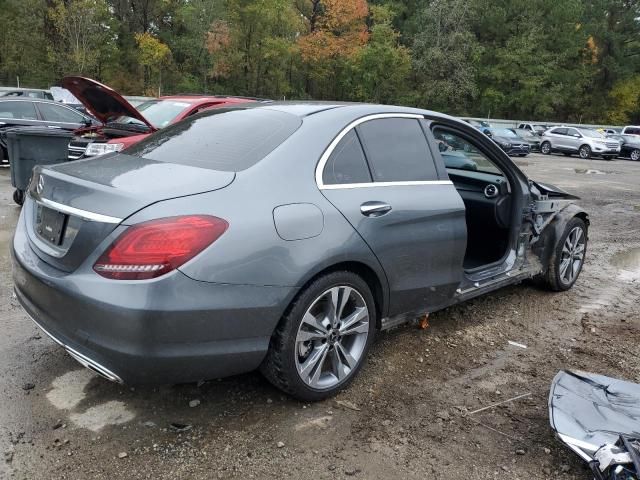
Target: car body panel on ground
x,y
377,199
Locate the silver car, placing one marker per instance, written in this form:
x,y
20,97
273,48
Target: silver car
x,y
280,237
583,141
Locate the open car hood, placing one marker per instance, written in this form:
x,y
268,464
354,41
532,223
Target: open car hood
x,y
103,102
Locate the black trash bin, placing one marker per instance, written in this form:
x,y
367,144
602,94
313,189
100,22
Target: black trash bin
x,y
31,146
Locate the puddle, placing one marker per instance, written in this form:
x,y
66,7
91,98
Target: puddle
x,y
590,171
68,392
628,261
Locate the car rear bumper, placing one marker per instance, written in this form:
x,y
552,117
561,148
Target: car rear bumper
x,y
169,330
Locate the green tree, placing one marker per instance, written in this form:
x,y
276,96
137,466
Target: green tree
x,y
380,71
445,56
83,27
153,56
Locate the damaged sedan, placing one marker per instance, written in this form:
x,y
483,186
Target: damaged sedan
x,y
282,237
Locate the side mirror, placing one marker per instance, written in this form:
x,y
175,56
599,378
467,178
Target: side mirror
x,y
488,133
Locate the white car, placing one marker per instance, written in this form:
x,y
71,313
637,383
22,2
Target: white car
x,y
583,141
631,130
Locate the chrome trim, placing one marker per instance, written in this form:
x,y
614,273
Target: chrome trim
x,y
84,214
385,184
80,358
327,153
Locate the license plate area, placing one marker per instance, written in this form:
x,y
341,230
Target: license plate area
x,y
50,225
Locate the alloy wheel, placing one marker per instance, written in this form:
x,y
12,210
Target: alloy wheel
x,y
332,337
635,155
572,255
585,152
545,148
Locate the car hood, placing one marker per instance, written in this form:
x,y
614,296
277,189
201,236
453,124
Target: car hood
x,y
102,101
499,139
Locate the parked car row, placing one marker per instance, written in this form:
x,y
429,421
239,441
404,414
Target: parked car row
x,y
607,143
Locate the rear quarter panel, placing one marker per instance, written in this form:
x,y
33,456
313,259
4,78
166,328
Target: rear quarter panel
x,y
251,251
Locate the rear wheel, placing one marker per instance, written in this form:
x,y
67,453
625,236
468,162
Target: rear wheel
x,y
321,343
545,148
635,155
585,152
567,257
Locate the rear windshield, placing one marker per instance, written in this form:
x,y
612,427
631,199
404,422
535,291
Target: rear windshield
x,y
229,140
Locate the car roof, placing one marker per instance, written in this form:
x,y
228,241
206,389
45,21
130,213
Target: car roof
x,y
200,99
26,90
307,108
30,99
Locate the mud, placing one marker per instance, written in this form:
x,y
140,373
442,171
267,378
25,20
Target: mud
x,y
407,415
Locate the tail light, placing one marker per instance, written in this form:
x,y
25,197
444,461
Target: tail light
x,y
154,248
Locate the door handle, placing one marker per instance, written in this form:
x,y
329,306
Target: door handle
x,y
374,209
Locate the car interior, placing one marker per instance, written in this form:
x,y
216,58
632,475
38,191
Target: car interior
x,y
486,195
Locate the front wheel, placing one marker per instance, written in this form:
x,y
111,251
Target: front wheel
x,y
322,341
545,148
567,257
635,155
585,152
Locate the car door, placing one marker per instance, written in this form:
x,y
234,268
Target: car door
x,y
573,139
60,116
380,174
558,138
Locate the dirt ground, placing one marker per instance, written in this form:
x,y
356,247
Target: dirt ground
x,y
406,415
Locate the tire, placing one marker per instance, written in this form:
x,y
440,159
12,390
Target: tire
x,y
287,362
635,155
556,277
585,152
545,148
18,196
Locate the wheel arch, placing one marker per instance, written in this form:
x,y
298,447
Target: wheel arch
x,y
364,271
548,239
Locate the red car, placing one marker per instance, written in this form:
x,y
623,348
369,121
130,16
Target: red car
x,y
123,124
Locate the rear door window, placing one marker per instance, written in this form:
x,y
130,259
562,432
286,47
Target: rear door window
x,y
559,131
229,140
18,110
397,150
56,113
347,163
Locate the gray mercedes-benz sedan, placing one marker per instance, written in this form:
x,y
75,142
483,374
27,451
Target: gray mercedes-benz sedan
x,y
280,237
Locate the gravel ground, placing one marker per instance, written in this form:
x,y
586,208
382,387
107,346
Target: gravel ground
x,y
406,415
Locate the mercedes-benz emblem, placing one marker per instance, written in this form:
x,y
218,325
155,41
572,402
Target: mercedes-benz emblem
x,y
40,185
